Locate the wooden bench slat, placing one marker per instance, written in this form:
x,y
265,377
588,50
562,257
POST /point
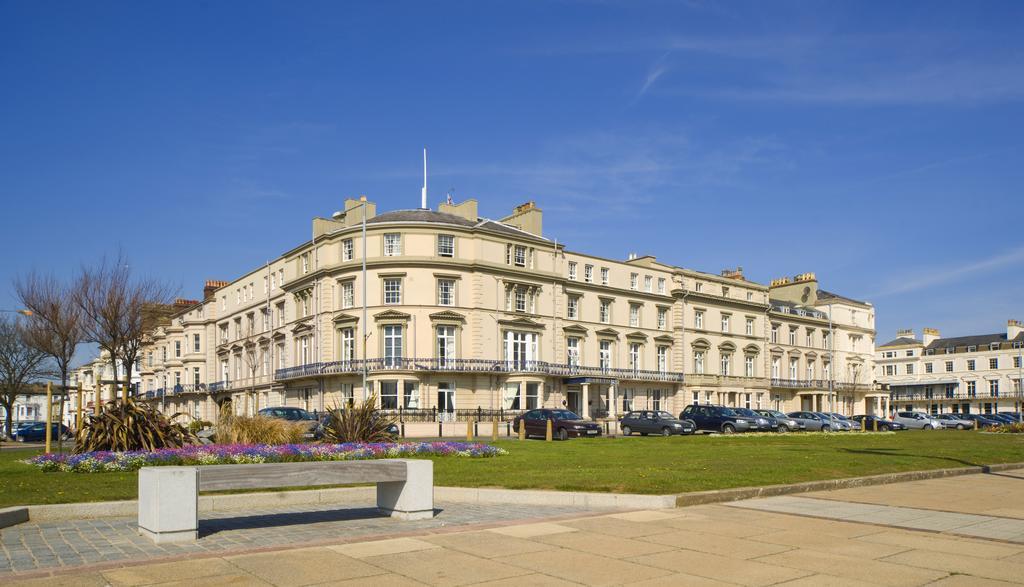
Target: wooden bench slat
x,y
268,475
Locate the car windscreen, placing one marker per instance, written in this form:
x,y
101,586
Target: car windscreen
x,y
665,416
726,412
564,415
746,412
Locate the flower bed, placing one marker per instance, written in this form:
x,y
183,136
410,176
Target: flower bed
x,y
212,454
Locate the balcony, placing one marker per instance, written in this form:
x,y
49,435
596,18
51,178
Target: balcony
x,y
470,366
711,379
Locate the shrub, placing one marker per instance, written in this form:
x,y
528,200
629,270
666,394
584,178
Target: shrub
x,y
125,425
1016,428
259,430
196,425
358,423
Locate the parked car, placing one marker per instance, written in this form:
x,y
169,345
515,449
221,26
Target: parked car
x,y
1003,418
36,432
811,421
982,421
654,422
918,420
954,421
883,424
762,423
313,428
786,424
841,422
564,424
711,418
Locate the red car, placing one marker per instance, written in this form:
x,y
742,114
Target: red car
x,y
564,424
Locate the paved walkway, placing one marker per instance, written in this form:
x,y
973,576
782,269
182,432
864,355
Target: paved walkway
x,y
55,545
745,543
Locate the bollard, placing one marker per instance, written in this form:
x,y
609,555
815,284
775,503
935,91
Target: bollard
x,y
494,428
403,429
440,433
975,424
49,415
547,435
469,429
522,429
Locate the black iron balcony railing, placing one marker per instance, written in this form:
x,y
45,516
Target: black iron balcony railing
x,y
470,366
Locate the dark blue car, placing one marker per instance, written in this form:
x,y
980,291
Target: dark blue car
x,y
717,419
36,432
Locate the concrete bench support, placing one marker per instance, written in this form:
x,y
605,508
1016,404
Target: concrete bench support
x,y
169,496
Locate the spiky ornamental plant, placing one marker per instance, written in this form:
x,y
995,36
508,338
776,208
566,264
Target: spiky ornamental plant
x,y
130,425
358,423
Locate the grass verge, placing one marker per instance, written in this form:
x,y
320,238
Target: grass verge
x,y
651,465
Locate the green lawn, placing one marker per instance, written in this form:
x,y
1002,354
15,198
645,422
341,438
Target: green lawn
x,y
628,465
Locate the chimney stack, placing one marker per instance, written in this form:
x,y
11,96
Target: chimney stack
x,y
1014,328
211,287
929,335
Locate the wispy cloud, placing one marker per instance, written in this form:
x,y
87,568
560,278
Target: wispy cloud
x,y
659,68
935,276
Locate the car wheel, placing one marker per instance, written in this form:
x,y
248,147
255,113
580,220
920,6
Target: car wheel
x,y
728,429
626,430
666,431
959,426
928,427
563,434
783,429
885,428
826,428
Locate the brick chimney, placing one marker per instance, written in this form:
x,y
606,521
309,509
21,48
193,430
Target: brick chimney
x,y
929,335
211,287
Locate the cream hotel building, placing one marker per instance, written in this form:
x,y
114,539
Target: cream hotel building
x,y
456,316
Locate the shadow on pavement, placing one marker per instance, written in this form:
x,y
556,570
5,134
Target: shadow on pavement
x,y
212,526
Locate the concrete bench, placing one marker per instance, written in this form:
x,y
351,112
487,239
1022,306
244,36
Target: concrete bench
x,y
169,496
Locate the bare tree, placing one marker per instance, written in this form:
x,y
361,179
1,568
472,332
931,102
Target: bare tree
x,y
253,355
119,310
20,363
55,325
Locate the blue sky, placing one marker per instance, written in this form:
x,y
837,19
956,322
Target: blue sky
x,y
877,144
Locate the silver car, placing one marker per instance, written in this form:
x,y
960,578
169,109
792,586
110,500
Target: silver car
x,y
845,422
955,421
918,420
810,421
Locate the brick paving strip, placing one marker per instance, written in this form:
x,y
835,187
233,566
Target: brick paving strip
x,y
961,524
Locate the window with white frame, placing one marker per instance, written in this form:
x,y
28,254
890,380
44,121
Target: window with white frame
x,y
698,287
348,344
993,388
928,368
634,355
662,359
809,338
972,388
661,285
389,395
993,363
825,339
445,345
949,366
604,276
393,345
303,350
177,348
662,318
519,255
573,307
520,349
572,270
725,291
776,367
725,322
392,244
445,245
775,333
605,313
520,299
750,326
280,276
392,290
196,380
281,357
1016,362
446,292
698,319
634,280
726,366
572,351
588,273
305,262
748,366
698,362
348,294
605,355
794,368
750,298
347,250
634,315
648,284
910,368
810,370
792,335
970,364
